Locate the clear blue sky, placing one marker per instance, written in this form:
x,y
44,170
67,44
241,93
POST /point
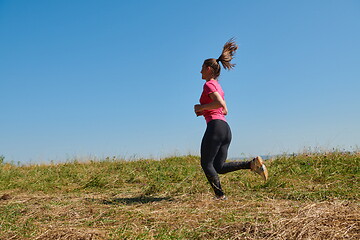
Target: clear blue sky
x,y
120,78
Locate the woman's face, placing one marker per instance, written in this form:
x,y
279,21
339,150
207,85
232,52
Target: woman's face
x,y
206,72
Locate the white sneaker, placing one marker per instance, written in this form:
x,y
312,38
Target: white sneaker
x,y
223,197
257,165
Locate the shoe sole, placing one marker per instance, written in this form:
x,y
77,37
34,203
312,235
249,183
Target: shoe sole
x,y
260,168
262,171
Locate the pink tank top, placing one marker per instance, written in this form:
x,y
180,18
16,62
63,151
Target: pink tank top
x,y
210,87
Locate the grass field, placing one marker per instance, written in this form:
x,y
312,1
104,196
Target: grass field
x,y
308,196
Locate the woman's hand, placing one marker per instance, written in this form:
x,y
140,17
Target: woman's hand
x,y
198,109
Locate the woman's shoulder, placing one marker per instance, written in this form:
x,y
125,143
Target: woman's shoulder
x,y
212,86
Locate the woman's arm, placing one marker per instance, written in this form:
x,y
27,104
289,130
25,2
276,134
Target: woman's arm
x,y
217,102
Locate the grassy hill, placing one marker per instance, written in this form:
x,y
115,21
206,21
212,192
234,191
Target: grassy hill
x,y
309,196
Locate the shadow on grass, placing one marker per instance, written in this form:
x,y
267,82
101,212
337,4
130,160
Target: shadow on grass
x,y
132,200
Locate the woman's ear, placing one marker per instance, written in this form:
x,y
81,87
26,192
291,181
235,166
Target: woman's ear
x,y
209,69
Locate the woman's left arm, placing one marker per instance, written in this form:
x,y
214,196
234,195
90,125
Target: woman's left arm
x,y
218,102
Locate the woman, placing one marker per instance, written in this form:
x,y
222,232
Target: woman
x,y
217,137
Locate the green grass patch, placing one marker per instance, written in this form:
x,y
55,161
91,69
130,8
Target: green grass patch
x,y
312,176
171,199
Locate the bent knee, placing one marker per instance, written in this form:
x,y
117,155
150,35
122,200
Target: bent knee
x,y
219,169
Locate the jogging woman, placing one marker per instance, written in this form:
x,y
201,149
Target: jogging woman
x,y
217,137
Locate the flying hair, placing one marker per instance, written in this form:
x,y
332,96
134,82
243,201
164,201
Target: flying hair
x,y
227,54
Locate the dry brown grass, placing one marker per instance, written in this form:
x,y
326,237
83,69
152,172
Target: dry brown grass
x,y
324,220
126,216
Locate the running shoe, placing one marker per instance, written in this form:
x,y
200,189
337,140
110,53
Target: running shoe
x,y
223,197
257,165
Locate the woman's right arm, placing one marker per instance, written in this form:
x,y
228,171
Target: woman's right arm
x,y
218,102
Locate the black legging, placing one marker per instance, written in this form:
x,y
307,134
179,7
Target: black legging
x,y
214,148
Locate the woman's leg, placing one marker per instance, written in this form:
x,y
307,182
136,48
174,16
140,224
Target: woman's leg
x,y
210,146
223,167
220,163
